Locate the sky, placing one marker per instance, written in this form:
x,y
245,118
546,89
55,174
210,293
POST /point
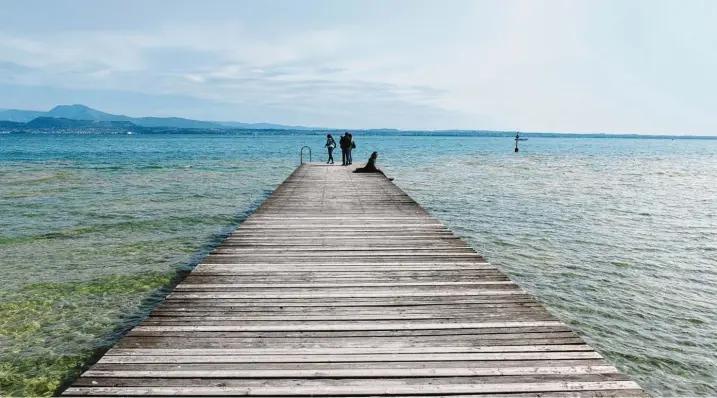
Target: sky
x,y
613,66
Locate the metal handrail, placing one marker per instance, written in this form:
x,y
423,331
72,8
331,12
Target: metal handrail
x,y
301,153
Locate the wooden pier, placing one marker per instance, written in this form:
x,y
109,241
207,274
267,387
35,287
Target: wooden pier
x,y
341,285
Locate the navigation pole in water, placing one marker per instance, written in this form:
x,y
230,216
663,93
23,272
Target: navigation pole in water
x,y
517,138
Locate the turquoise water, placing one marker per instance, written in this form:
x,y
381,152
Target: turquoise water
x,y
618,237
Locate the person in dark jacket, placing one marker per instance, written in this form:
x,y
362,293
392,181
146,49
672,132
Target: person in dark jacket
x,y
345,143
370,165
351,147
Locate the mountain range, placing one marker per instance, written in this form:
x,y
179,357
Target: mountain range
x,y
62,114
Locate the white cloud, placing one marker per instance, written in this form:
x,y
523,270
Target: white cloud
x,y
528,65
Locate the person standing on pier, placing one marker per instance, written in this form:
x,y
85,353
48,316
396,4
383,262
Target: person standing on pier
x,y
330,145
345,143
352,145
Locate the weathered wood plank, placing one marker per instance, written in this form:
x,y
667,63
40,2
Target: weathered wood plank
x,y
329,310
350,390
358,373
479,333
229,321
358,294
359,316
298,343
333,285
350,365
346,268
354,302
353,358
559,394
320,382
270,321
345,326
348,350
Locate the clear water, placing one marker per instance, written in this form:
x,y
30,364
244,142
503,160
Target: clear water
x,y
617,237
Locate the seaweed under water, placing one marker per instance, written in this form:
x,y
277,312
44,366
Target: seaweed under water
x,y
53,328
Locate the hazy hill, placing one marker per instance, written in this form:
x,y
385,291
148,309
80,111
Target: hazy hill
x,y
266,126
16,115
61,122
85,113
6,124
176,122
81,112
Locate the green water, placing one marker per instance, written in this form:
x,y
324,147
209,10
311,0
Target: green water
x,y
93,228
53,328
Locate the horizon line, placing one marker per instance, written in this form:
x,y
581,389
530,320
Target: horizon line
x,y
332,129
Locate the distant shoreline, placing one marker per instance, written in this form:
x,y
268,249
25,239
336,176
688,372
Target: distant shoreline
x,y
73,118
21,129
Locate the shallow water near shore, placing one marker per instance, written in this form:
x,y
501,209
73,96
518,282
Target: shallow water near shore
x,y
617,237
